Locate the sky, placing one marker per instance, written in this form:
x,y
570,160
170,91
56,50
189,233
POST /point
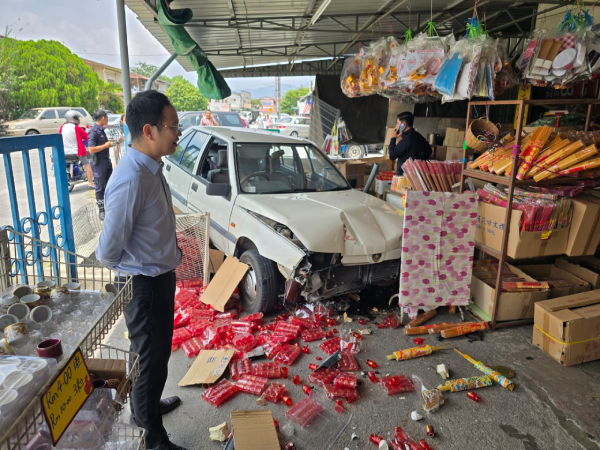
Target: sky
x,y
89,29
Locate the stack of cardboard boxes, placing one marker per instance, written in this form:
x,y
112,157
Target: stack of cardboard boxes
x,y
357,171
454,144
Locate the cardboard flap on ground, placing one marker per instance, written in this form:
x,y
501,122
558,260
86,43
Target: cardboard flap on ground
x,y
219,290
208,367
511,305
551,272
581,272
107,369
216,260
521,244
254,430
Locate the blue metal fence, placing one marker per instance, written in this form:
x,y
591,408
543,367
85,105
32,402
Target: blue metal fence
x,y
39,217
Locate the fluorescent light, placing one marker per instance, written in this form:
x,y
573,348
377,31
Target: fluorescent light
x,y
319,11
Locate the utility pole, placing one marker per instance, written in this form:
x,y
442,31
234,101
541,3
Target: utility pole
x,y
278,94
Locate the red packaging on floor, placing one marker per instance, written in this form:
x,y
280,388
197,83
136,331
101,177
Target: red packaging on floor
x,y
271,349
331,346
192,347
312,334
347,363
244,342
282,338
274,392
288,354
240,367
180,335
229,315
323,376
241,327
346,380
222,325
332,391
267,369
181,319
283,328
209,337
220,392
302,323
396,384
252,317
304,411
252,384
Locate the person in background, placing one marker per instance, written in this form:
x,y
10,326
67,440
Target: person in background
x,y
73,141
268,122
260,121
139,238
406,142
208,120
98,145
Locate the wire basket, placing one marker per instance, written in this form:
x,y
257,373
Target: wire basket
x,y
192,238
27,261
87,228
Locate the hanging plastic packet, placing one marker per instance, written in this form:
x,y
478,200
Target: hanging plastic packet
x,y
432,398
350,78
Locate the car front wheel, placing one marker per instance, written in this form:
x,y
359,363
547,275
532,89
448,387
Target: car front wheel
x,y
294,134
31,133
258,289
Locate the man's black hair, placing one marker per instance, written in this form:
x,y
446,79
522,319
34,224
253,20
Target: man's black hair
x,y
99,114
407,117
145,108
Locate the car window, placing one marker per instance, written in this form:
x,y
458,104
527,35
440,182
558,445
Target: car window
x,y
264,168
82,111
49,114
181,145
190,121
210,157
62,112
192,151
285,120
229,120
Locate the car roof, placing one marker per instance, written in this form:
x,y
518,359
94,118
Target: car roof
x,y
238,134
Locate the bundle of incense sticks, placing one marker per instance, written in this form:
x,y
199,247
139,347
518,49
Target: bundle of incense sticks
x,y
531,152
432,176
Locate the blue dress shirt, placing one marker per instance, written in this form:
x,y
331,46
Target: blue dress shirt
x,y
139,235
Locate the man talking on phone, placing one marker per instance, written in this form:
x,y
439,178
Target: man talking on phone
x,y
407,143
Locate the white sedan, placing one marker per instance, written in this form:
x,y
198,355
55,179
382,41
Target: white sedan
x,y
282,207
294,126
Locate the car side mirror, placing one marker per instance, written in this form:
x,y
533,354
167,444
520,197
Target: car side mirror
x,y
217,189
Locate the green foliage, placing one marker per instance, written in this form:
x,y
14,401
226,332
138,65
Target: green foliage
x,y
9,82
255,103
148,70
185,96
108,97
49,75
290,99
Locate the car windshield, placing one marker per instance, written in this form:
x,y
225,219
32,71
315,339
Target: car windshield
x,y
264,168
229,119
285,120
31,114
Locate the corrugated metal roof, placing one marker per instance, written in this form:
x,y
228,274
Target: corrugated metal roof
x,y
254,33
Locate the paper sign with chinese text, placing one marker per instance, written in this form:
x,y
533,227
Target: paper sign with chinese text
x,y
66,395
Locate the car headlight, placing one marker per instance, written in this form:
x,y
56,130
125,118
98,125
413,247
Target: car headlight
x,y
18,127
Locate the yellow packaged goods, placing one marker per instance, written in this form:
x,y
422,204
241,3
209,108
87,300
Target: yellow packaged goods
x,y
568,328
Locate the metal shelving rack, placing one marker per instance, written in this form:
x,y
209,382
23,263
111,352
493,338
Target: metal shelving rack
x,y
511,182
26,260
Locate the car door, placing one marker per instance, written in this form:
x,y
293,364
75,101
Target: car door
x,y
177,177
49,122
219,208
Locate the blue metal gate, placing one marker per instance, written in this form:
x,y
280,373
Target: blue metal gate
x,y
40,217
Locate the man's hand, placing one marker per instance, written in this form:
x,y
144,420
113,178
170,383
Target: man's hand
x,y
394,133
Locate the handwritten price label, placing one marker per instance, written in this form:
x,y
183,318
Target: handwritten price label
x,y
66,395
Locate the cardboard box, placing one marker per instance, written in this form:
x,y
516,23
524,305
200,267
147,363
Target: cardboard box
x,y
585,226
382,185
396,199
568,328
454,137
208,367
439,152
216,260
511,305
579,271
551,272
109,369
454,154
521,244
219,290
254,430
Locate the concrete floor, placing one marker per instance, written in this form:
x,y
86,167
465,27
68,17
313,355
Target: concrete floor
x,y
552,407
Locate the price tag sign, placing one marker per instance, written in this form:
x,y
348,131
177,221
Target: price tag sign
x,y
66,395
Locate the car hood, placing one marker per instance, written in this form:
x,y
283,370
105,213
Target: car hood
x,y
347,222
16,122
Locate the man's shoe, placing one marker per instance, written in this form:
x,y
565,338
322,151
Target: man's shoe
x,y
100,204
169,404
167,445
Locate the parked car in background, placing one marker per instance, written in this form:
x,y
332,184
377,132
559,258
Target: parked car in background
x,y
263,192
43,121
294,126
227,119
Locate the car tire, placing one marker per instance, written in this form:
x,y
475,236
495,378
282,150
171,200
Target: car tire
x,y
355,151
258,289
294,134
31,133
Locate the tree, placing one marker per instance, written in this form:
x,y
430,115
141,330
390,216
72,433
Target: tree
x,y
290,99
148,70
9,82
185,96
48,74
108,97
255,103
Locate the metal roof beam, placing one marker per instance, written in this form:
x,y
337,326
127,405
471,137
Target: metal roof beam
x,y
521,19
237,31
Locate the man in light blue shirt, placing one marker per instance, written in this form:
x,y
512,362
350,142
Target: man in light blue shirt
x,y
139,238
